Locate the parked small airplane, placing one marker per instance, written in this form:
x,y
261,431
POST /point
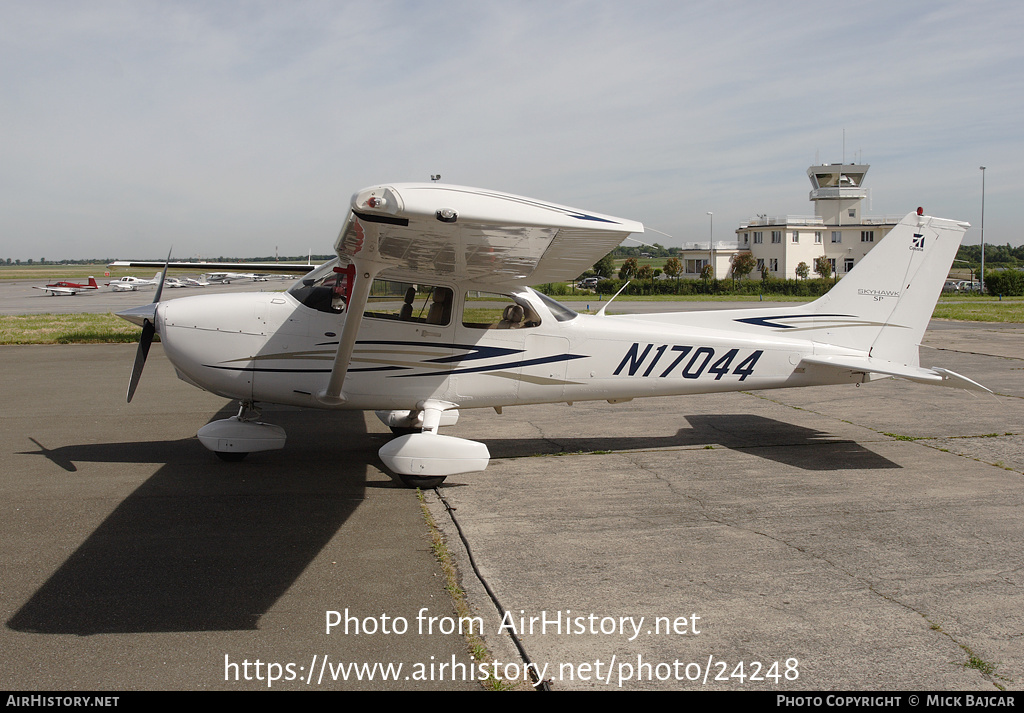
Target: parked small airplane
x,y
130,284
227,277
63,287
223,277
404,321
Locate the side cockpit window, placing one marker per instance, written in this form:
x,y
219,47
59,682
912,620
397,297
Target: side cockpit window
x,y
407,302
486,310
329,289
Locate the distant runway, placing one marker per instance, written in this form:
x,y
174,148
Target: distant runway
x,y
21,297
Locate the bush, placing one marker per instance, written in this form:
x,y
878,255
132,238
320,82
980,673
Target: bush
x,y
769,286
1005,282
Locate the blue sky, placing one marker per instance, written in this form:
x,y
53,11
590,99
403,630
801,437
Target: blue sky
x,y
234,128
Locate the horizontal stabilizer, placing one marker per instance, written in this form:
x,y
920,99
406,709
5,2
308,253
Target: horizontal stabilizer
x,y
866,365
951,378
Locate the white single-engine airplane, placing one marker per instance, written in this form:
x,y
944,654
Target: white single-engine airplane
x,y
131,284
426,311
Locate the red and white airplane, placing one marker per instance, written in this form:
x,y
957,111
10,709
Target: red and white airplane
x,y
63,287
426,310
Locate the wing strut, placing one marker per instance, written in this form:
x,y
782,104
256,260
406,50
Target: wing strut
x,y
365,272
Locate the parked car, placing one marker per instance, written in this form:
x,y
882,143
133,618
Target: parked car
x,y
589,282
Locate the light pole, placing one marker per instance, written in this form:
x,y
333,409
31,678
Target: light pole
x,y
711,243
982,229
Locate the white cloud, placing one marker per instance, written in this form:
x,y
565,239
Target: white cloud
x,y
229,128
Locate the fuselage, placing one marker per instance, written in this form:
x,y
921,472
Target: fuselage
x,y
279,347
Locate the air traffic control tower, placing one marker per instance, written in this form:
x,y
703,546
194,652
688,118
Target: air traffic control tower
x,y
837,191
838,230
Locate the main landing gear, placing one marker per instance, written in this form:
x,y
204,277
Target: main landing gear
x,y
419,456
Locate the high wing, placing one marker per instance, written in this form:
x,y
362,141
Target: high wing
x,y
436,230
418,230
276,267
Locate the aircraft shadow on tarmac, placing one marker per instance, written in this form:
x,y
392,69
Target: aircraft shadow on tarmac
x,y
209,546
786,443
204,545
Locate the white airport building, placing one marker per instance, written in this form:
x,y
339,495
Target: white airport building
x,y
838,229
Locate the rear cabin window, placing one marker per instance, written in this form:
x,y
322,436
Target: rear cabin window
x,y
487,310
407,302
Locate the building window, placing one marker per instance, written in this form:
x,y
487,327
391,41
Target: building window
x,y
832,262
760,264
796,237
773,265
867,236
837,236
847,264
695,267
817,237
758,237
853,212
776,236
746,238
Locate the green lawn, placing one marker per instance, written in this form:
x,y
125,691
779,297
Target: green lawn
x,y
66,329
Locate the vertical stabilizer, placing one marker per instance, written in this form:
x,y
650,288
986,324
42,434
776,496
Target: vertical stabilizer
x,y
885,302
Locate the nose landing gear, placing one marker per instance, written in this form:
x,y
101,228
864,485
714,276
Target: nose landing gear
x,y
232,439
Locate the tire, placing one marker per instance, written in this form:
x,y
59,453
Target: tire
x,y
422,482
230,456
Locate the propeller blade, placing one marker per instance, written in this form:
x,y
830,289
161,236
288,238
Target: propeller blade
x,y
148,331
163,277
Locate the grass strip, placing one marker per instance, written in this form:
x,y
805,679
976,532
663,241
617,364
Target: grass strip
x,y
66,329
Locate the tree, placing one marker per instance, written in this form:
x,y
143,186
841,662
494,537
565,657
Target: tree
x,y
822,266
628,268
673,268
605,267
803,270
646,272
742,265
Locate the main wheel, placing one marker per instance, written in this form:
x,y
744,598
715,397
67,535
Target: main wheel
x,y
421,481
230,456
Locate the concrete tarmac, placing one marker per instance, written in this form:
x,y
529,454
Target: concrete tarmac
x,y
837,538
828,538
130,559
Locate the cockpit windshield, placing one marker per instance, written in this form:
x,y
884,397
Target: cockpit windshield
x,y
326,288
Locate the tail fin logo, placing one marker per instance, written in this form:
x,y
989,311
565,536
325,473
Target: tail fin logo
x,y
918,243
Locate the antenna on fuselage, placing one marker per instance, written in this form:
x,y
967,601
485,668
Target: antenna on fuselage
x,y
600,312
